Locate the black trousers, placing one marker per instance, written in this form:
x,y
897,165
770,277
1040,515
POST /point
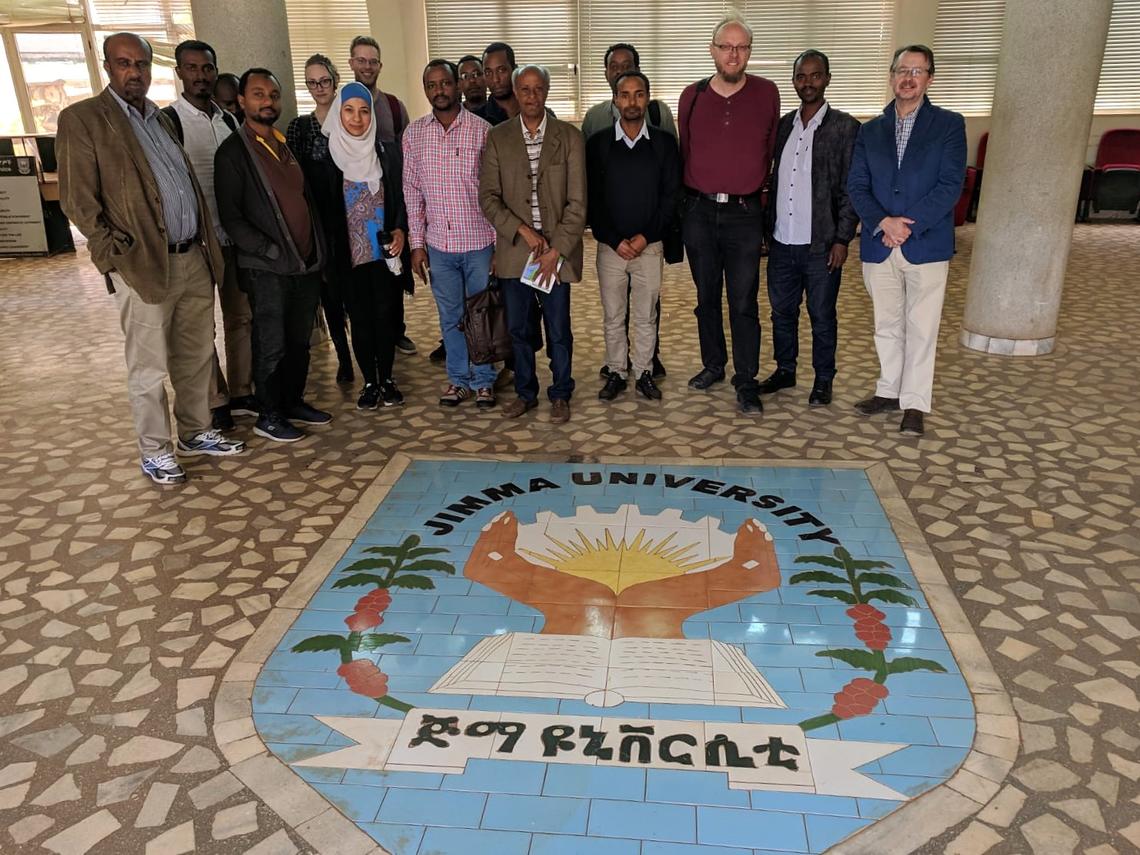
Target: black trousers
x,y
792,272
723,243
284,310
375,304
333,303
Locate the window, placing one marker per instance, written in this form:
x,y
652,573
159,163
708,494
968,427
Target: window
x,y
11,122
967,41
320,26
672,37
55,73
1118,91
544,32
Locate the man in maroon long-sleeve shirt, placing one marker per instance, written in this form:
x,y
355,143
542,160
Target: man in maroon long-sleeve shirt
x,y
728,132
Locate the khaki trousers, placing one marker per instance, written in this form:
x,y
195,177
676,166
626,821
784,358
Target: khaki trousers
x,y
630,287
173,338
237,326
907,299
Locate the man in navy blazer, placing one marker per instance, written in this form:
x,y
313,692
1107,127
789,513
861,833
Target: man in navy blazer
x,y
906,176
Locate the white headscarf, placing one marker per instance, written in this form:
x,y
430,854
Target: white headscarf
x,y
354,156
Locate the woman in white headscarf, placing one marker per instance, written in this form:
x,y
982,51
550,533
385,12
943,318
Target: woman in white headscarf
x,y
374,222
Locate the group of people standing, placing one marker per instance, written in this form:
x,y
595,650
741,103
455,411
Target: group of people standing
x,y
351,202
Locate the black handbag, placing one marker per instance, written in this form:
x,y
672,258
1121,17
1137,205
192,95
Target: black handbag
x,y
484,325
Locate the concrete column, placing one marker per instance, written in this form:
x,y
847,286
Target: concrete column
x,y
401,28
1051,53
246,34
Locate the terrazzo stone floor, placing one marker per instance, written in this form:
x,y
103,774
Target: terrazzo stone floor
x,y
121,604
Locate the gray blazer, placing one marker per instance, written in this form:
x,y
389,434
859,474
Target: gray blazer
x,y
833,217
504,194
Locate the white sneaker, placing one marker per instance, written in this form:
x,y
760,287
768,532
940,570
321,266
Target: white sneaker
x,y
210,442
163,469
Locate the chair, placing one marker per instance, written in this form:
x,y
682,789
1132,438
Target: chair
x,y
1114,183
972,213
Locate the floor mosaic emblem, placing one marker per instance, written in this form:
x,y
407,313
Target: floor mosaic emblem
x,y
545,658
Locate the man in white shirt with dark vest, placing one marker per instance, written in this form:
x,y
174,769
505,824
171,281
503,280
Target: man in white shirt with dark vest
x,y
202,125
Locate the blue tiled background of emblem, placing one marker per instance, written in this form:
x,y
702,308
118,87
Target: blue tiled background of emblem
x,y
508,807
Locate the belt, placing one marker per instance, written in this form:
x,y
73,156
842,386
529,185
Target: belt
x,y
723,198
181,246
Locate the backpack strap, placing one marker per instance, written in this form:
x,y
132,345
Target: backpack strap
x,y
230,121
655,113
175,120
397,115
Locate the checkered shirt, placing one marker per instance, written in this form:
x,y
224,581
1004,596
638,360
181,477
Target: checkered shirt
x,y
441,183
903,126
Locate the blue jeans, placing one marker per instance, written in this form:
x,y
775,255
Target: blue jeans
x,y
792,271
522,302
455,275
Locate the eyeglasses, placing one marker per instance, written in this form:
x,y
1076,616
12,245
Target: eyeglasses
x,y
323,83
367,63
910,72
733,48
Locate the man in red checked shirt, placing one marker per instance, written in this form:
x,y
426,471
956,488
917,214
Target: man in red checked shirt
x,y
446,228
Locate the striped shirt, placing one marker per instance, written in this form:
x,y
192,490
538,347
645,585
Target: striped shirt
x,y
171,173
533,153
903,127
441,183
202,133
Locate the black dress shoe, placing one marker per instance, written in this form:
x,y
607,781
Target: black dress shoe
x,y
658,369
749,400
615,385
705,378
781,378
647,387
222,418
820,394
439,354
911,423
875,405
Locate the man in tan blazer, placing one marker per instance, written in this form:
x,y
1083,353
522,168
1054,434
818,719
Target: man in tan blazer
x,y
129,188
532,188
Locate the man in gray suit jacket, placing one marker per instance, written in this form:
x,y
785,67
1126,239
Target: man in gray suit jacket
x,y
532,188
128,186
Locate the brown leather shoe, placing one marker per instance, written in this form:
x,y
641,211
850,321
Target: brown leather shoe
x,y
911,423
517,407
559,412
875,405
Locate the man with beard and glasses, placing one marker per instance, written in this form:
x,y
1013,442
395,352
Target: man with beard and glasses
x,y
391,117
811,221
131,191
728,132
447,231
201,126
906,176
472,82
634,177
266,209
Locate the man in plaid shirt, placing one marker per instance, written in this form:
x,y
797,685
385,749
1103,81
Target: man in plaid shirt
x,y
452,242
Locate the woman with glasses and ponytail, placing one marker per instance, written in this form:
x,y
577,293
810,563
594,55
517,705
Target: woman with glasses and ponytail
x,y
311,149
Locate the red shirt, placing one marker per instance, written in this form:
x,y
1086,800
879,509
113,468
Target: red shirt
x,y
728,143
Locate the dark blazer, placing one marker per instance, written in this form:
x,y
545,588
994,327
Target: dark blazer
x,y
107,189
833,218
504,194
662,197
251,217
924,188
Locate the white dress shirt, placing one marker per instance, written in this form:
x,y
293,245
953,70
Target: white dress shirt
x,y
793,187
202,134
620,134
